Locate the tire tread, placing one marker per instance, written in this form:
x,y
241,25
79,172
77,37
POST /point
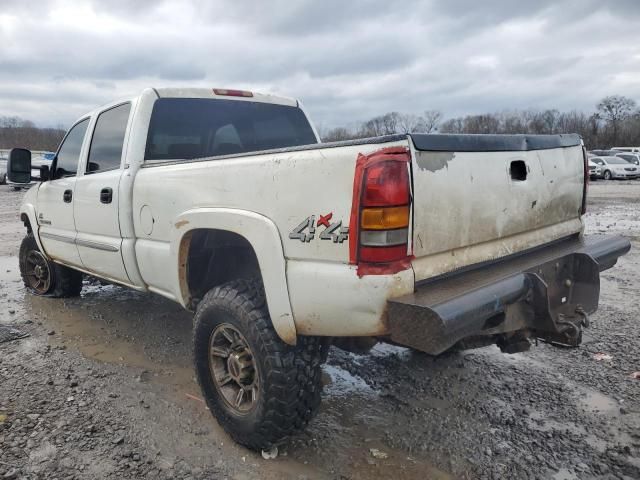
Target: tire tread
x,y
292,387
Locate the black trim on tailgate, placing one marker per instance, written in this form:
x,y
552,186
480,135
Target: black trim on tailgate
x,y
491,143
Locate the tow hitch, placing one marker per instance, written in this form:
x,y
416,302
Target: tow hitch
x,y
570,328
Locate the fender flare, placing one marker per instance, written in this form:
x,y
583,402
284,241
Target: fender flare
x,y
262,234
30,211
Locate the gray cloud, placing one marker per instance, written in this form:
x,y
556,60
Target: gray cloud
x,y
346,60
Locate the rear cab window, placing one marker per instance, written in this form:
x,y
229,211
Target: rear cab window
x,y
188,128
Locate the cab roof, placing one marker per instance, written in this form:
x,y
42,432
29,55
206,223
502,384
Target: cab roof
x,y
223,93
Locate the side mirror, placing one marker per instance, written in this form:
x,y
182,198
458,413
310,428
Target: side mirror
x,y
44,173
19,165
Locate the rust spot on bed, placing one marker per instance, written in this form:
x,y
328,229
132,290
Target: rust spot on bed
x,y
181,223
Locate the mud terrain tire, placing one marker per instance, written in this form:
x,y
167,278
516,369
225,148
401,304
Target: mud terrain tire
x,y
62,281
287,378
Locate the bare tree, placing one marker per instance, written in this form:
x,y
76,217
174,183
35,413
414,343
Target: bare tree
x,y
431,120
337,134
408,122
390,122
453,125
614,109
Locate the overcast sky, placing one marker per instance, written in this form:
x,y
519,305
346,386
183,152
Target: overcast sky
x,y
347,60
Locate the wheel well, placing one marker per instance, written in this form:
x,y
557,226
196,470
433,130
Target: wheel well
x,y
25,220
211,257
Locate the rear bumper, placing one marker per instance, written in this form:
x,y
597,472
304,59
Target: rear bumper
x,y
545,293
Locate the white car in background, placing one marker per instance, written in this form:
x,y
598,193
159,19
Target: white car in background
x,y
627,149
630,157
3,170
616,168
595,171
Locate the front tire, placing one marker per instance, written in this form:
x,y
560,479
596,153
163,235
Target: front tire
x,y
607,175
43,277
260,389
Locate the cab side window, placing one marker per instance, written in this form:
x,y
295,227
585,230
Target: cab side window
x,y
69,152
105,151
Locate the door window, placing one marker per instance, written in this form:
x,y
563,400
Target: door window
x,y
69,152
105,151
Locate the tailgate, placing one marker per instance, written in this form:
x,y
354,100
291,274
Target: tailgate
x,y
482,197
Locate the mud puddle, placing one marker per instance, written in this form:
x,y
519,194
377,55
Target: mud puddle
x,y
109,324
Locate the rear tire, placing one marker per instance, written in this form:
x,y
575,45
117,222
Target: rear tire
x,y
237,349
43,277
607,175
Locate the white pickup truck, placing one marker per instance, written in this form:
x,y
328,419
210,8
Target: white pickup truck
x,y
226,202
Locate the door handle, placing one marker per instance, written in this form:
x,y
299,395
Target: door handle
x,y
67,196
106,195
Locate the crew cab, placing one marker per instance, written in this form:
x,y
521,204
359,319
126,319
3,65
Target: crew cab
x,y
226,202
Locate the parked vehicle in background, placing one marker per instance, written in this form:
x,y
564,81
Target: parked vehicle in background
x,y
595,171
627,149
4,155
603,153
44,159
630,157
225,202
616,168
3,170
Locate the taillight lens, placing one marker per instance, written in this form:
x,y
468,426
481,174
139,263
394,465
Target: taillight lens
x,y
386,183
381,211
383,254
384,218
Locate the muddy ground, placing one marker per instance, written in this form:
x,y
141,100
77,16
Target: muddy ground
x,y
103,388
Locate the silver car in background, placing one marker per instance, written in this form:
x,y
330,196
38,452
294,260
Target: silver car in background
x,y
616,168
3,169
595,171
630,157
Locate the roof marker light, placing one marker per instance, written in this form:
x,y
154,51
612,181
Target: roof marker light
x,y
232,93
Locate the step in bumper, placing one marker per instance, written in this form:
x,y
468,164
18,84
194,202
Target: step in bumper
x,y
543,293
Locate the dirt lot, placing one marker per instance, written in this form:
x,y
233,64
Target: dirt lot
x,y
103,388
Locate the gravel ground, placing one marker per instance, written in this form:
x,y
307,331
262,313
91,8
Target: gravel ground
x,y
103,388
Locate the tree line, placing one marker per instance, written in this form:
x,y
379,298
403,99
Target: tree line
x,y
16,132
615,122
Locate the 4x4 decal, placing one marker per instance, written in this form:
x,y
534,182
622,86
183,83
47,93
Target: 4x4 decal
x,y
306,230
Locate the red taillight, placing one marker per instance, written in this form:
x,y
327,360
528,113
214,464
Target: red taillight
x,y
379,227
585,158
386,184
383,254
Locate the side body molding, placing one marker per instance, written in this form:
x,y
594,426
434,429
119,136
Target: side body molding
x,y
263,236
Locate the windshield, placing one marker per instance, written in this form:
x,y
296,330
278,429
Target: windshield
x,y
185,128
617,161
